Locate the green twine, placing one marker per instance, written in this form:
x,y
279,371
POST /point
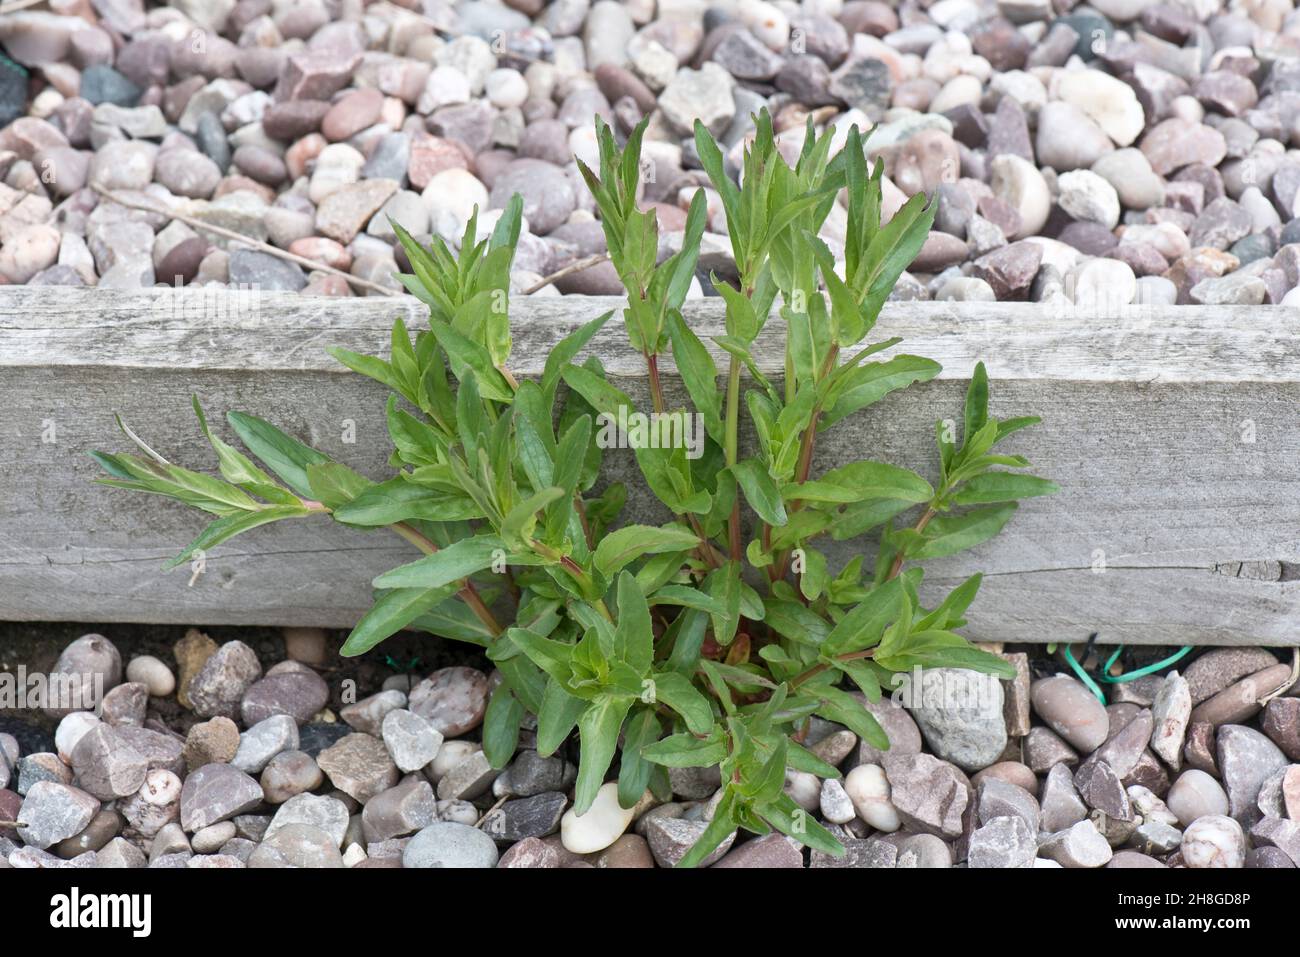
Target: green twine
x,y
1119,679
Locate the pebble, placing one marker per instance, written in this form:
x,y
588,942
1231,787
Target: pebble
x,y
1171,712
453,700
1216,669
1071,711
106,764
153,674
1281,722
1194,794
930,795
602,824
1080,845
359,765
1213,841
536,816
868,788
399,811
326,814
1246,760
298,694
447,844
219,685
290,773
264,740
53,812
1003,842
214,793
88,667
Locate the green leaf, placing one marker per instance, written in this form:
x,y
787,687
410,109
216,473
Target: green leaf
x,y
224,529
401,500
598,736
949,534
1002,487
976,411
466,354
714,834
286,457
392,611
501,727
699,374
335,485
863,626
677,691
862,481
686,750
633,637
760,490
620,547
634,770
558,716
450,564
842,708
564,353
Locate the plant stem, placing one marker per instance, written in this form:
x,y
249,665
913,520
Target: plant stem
x,y
468,593
733,448
807,446
922,522
822,666
656,387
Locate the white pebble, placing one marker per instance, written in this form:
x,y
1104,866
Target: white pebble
x,y
449,755
506,88
602,825
153,674
868,789
69,732
1214,841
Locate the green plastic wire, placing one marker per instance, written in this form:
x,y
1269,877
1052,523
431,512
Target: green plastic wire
x,y
1140,672
1119,679
1084,676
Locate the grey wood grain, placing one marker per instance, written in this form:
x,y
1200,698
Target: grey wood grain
x,y
1173,433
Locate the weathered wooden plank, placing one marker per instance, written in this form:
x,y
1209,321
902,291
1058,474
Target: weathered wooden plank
x,y
1173,433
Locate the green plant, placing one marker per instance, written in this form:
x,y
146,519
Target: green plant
x,y
703,640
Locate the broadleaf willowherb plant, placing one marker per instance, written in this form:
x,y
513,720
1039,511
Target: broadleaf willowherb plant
x,y
713,638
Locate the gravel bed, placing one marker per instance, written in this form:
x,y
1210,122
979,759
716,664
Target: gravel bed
x,y
198,756
1091,157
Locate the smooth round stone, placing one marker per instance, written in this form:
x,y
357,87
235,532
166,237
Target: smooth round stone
x,y
1196,794
506,88
1018,183
299,845
353,113
1012,772
868,789
1102,287
290,773
451,198
1110,102
1086,196
450,754
153,674
960,711
448,844
546,190
92,666
602,825
835,804
1068,139
1213,841
1071,710
210,839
